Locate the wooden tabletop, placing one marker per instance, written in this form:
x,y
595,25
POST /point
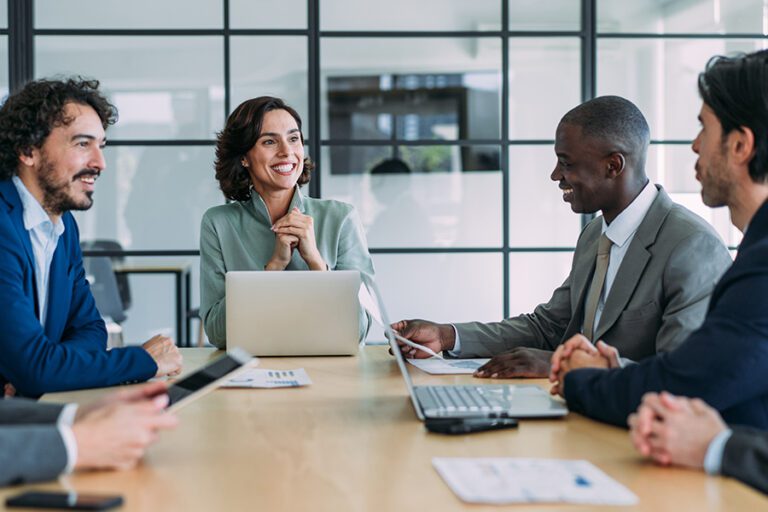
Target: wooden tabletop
x,y
351,441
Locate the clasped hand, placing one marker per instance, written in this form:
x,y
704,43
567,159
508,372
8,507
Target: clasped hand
x,y
579,352
295,231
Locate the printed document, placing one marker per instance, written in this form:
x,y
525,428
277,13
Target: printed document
x,y
513,480
440,366
263,378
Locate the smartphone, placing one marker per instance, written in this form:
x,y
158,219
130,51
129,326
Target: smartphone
x,y
208,377
64,500
467,425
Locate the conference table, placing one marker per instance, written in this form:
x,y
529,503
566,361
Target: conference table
x,y
351,441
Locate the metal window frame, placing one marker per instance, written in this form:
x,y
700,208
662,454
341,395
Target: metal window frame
x,y
21,34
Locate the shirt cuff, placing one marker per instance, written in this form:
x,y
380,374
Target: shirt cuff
x,y
64,424
456,351
713,460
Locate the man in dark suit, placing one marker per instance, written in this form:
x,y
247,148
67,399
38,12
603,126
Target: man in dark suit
x,y
687,432
661,261
39,441
52,135
723,362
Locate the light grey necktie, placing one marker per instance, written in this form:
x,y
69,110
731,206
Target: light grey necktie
x,y
598,280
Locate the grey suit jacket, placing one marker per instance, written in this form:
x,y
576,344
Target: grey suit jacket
x,y
31,447
659,296
746,457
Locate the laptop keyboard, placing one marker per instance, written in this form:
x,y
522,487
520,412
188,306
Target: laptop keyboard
x,y
462,398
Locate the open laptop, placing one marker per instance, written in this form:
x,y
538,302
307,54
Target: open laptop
x,y
296,313
470,401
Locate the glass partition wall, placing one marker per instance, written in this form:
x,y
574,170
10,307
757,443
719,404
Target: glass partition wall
x,y
434,118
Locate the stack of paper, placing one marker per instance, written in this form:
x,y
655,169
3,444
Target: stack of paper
x,y
439,366
511,480
263,378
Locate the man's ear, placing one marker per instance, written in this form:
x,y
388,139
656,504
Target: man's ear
x,y
741,145
29,157
615,163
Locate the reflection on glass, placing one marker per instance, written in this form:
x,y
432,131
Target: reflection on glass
x,y
409,15
544,83
683,16
440,287
533,276
419,159
285,77
152,197
401,207
549,15
411,88
4,87
4,16
134,14
538,216
268,14
660,76
164,87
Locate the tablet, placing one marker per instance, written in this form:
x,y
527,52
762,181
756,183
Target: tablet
x,y
208,377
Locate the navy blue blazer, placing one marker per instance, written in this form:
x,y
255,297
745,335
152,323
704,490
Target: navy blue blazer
x,y
724,362
70,351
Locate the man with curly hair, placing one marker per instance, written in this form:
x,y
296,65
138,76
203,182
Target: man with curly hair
x,y
52,135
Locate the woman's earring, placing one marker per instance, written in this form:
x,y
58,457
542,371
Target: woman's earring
x,y
244,163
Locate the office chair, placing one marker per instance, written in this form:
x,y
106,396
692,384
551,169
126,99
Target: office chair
x,y
122,279
101,276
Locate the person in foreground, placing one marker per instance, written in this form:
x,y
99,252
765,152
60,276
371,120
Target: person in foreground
x,y
52,337
39,441
687,432
270,224
641,274
723,362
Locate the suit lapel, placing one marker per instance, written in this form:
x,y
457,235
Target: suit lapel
x,y
16,213
634,262
581,276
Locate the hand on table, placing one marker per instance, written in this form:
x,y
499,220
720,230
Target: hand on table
x,y
437,337
519,362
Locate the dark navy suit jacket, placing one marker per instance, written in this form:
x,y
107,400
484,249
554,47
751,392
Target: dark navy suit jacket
x,y
70,351
724,362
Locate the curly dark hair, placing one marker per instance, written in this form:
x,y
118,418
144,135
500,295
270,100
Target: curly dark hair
x,y
238,137
28,116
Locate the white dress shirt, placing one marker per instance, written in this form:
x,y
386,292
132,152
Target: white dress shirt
x,y
44,236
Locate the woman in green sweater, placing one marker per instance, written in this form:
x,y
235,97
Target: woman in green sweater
x,y
269,224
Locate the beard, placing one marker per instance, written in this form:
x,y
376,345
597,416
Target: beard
x,y
57,195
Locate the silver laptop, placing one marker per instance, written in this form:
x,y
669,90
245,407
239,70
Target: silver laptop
x,y
295,313
471,401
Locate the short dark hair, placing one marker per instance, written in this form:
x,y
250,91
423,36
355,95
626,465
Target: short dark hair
x,y
390,166
238,137
616,120
28,116
735,89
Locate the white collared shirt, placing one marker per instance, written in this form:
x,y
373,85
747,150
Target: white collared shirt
x,y
44,236
621,232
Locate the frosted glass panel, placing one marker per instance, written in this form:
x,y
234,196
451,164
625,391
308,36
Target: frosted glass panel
x,y
534,276
152,197
544,84
4,14
285,77
164,87
440,287
659,76
549,15
538,216
453,209
410,15
268,14
104,14
683,16
410,88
